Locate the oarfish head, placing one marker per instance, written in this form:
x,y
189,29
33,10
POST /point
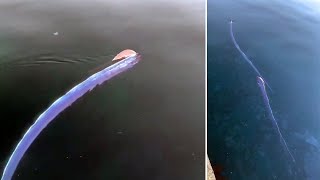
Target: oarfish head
x,y
260,82
125,54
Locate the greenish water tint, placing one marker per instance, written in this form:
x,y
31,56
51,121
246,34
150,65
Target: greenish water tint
x,y
282,40
5,49
149,119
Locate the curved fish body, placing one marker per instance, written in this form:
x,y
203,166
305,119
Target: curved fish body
x,y
244,55
261,84
61,104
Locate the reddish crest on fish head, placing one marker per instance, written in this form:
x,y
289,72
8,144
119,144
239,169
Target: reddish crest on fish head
x,y
124,54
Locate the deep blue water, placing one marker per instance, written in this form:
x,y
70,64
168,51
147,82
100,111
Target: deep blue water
x,y
282,38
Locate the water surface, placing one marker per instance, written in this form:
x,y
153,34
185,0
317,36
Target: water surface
x,y
282,40
147,123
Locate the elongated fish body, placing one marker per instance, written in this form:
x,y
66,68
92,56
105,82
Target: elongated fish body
x,y
61,104
244,55
261,84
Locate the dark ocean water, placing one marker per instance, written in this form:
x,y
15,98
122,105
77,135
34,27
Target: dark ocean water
x,y
147,123
282,38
